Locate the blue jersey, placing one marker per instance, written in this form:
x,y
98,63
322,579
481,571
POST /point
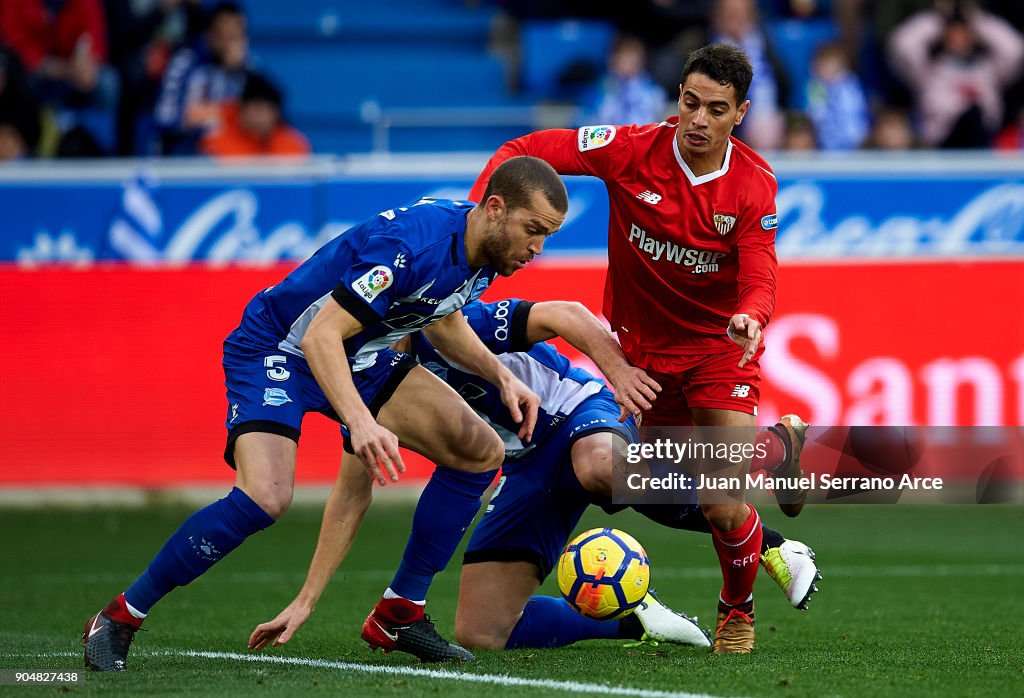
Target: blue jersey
x,y
501,326
396,273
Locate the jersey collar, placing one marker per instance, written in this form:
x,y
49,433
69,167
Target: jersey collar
x,y
458,249
694,179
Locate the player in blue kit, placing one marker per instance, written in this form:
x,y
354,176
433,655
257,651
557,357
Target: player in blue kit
x,y
544,489
320,342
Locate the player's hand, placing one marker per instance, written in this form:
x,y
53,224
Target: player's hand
x,y
522,404
377,448
281,629
635,391
746,332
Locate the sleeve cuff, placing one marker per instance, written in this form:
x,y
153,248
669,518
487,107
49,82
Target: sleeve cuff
x,y
517,335
356,307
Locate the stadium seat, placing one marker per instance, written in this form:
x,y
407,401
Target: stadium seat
x,y
795,41
322,80
366,23
341,61
553,51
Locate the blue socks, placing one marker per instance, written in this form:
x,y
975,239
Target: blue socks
x,y
200,542
551,622
445,510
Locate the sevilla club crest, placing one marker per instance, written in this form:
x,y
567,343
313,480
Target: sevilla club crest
x,y
723,222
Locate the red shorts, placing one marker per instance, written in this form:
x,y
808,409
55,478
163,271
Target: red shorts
x,y
705,380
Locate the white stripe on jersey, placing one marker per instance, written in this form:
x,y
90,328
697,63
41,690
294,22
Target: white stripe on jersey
x,y
292,344
557,395
409,323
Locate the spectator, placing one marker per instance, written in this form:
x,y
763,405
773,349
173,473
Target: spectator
x,y
200,81
255,126
892,131
836,102
19,110
736,22
628,94
864,29
957,63
800,135
63,45
142,35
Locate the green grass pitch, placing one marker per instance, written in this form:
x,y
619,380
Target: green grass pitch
x,y
916,601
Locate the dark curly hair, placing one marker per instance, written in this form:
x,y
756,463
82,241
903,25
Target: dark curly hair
x,y
723,63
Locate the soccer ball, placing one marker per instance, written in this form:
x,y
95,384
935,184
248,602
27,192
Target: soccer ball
x,y
604,573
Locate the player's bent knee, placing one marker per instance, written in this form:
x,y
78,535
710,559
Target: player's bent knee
x,y
481,454
273,500
725,516
592,462
494,455
476,637
596,477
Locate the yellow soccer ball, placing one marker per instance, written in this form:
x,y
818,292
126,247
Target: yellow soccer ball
x,y
604,573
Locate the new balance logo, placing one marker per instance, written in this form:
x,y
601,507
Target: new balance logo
x,y
650,197
740,391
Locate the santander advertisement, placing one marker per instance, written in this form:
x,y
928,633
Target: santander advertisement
x,y
112,373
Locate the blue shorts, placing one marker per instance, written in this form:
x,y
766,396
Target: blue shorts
x,y
270,391
539,501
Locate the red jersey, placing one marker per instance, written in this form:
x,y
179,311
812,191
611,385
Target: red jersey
x,y
35,32
685,253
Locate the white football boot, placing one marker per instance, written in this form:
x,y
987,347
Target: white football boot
x,y
662,624
792,567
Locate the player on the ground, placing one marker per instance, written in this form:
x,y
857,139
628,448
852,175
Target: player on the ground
x,y
544,489
320,341
691,275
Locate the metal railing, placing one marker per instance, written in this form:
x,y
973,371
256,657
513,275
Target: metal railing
x,y
532,118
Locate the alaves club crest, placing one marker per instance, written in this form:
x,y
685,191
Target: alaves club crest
x,y
723,222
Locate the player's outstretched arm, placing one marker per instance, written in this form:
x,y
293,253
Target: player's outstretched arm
x,y
454,338
323,345
343,514
634,389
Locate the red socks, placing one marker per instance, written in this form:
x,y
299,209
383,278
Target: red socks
x,y
739,553
398,610
117,610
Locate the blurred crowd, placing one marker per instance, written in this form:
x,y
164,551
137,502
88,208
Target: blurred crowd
x,y
94,78
892,74
91,78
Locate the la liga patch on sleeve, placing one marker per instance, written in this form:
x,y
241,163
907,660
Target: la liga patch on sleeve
x,y
594,137
369,285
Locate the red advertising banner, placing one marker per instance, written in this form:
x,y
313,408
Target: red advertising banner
x,y
112,375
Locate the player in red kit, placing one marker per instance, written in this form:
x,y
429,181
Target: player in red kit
x,y
691,283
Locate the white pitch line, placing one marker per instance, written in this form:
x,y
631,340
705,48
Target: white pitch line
x,y
444,675
440,674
